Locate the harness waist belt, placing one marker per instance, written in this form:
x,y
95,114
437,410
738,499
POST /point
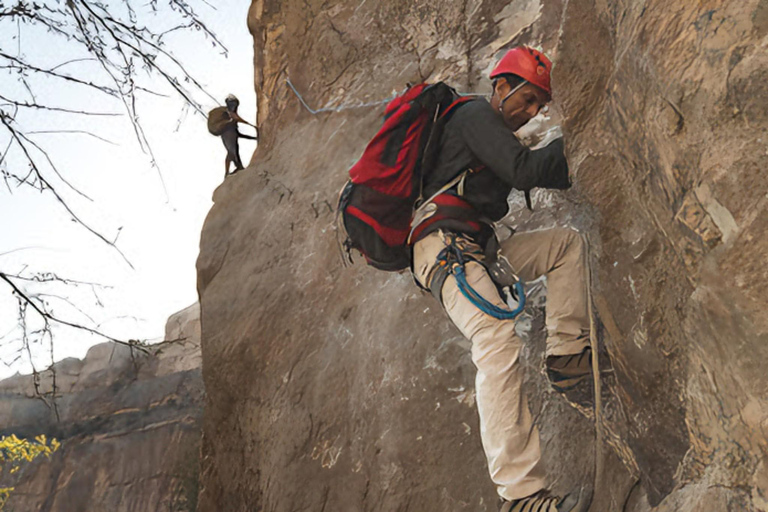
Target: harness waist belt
x,y
449,207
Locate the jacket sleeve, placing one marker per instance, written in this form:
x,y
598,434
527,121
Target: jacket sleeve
x,y
495,145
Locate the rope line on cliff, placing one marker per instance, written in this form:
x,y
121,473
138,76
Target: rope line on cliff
x,y
597,478
342,108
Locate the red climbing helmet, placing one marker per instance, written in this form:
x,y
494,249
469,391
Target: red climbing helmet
x,y
527,63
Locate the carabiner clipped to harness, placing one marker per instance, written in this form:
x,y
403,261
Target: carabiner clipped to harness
x,y
457,268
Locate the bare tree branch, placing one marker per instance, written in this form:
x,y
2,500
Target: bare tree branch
x,y
79,132
53,166
190,14
24,104
115,49
21,65
130,102
50,277
68,302
49,317
46,185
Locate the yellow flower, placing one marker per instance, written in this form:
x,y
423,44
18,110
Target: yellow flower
x,y
14,452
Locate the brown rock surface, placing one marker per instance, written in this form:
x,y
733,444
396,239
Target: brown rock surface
x,y
128,423
663,124
348,390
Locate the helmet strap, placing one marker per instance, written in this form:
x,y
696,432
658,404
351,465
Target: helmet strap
x,y
510,93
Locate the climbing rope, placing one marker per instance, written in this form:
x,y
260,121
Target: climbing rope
x,y
342,108
481,303
452,259
598,477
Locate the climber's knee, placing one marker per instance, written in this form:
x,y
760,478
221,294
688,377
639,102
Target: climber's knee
x,y
570,241
568,236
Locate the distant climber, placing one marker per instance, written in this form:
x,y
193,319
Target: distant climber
x,y
454,245
222,121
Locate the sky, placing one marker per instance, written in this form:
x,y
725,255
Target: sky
x,y
156,215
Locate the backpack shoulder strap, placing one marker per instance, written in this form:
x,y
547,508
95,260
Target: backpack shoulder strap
x,y
441,116
461,100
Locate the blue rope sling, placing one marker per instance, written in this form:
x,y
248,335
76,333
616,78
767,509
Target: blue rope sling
x,y
458,270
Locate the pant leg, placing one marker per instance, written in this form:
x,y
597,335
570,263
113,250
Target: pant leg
x,y
560,254
510,438
229,138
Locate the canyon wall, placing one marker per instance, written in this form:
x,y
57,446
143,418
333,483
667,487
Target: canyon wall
x,y
128,423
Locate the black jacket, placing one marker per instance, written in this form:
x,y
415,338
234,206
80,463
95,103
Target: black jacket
x,y
476,137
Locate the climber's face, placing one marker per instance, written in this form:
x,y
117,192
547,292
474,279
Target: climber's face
x,y
522,106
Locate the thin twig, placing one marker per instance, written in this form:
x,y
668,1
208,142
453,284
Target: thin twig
x,y
130,107
50,277
53,166
67,301
40,177
47,316
25,104
26,65
80,132
72,61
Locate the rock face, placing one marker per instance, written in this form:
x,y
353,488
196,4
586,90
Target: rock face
x,y
331,388
128,423
664,124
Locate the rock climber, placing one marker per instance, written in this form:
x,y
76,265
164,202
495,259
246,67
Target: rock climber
x,y
480,138
222,121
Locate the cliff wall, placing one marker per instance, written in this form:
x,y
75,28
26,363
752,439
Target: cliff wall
x,y
348,389
128,423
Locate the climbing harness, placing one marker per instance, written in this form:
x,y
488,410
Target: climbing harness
x,y
428,208
453,260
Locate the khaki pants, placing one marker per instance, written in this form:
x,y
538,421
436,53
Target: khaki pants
x,y
510,439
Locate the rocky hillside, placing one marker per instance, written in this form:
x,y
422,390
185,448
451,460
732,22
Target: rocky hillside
x,y
128,423
347,389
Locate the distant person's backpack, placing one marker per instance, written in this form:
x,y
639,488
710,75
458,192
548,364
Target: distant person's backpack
x,y
378,201
219,120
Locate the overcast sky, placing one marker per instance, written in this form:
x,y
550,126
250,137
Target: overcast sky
x,y
159,231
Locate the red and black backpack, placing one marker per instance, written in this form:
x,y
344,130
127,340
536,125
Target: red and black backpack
x,y
378,201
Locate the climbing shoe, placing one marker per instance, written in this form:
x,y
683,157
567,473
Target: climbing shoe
x,y
538,502
543,502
